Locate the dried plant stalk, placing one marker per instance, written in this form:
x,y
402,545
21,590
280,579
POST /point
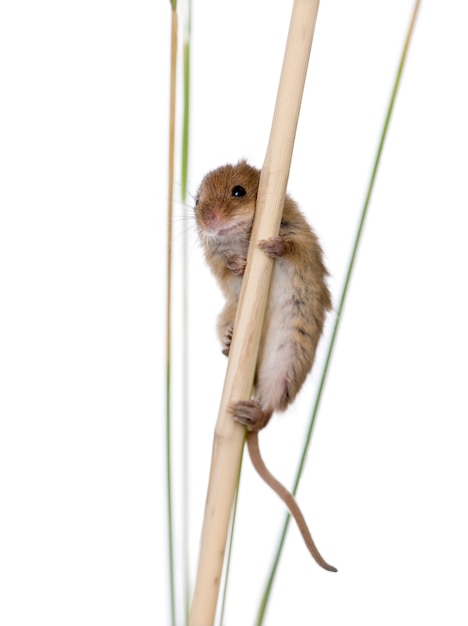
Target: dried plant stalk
x,y
229,436
170,203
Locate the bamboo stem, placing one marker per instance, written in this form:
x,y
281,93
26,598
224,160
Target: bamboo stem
x,y
229,436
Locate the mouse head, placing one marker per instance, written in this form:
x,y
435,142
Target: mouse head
x,y
225,202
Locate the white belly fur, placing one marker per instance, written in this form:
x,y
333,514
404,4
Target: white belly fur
x,y
278,347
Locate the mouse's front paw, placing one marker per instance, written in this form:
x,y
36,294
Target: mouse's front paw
x,y
274,247
236,264
227,339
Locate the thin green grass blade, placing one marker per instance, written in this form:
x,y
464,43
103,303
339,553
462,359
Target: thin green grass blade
x,y
172,103
269,585
185,309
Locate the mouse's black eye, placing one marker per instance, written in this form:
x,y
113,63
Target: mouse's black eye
x,y
238,191
197,200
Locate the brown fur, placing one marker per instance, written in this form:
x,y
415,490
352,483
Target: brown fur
x,y
299,272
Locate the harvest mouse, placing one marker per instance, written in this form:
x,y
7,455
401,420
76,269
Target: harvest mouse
x,y
298,302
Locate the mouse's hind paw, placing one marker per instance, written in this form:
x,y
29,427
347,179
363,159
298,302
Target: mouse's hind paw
x,y
250,414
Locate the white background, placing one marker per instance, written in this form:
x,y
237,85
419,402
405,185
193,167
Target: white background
x,y
83,191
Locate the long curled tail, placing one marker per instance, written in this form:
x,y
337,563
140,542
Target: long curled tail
x,y
286,496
